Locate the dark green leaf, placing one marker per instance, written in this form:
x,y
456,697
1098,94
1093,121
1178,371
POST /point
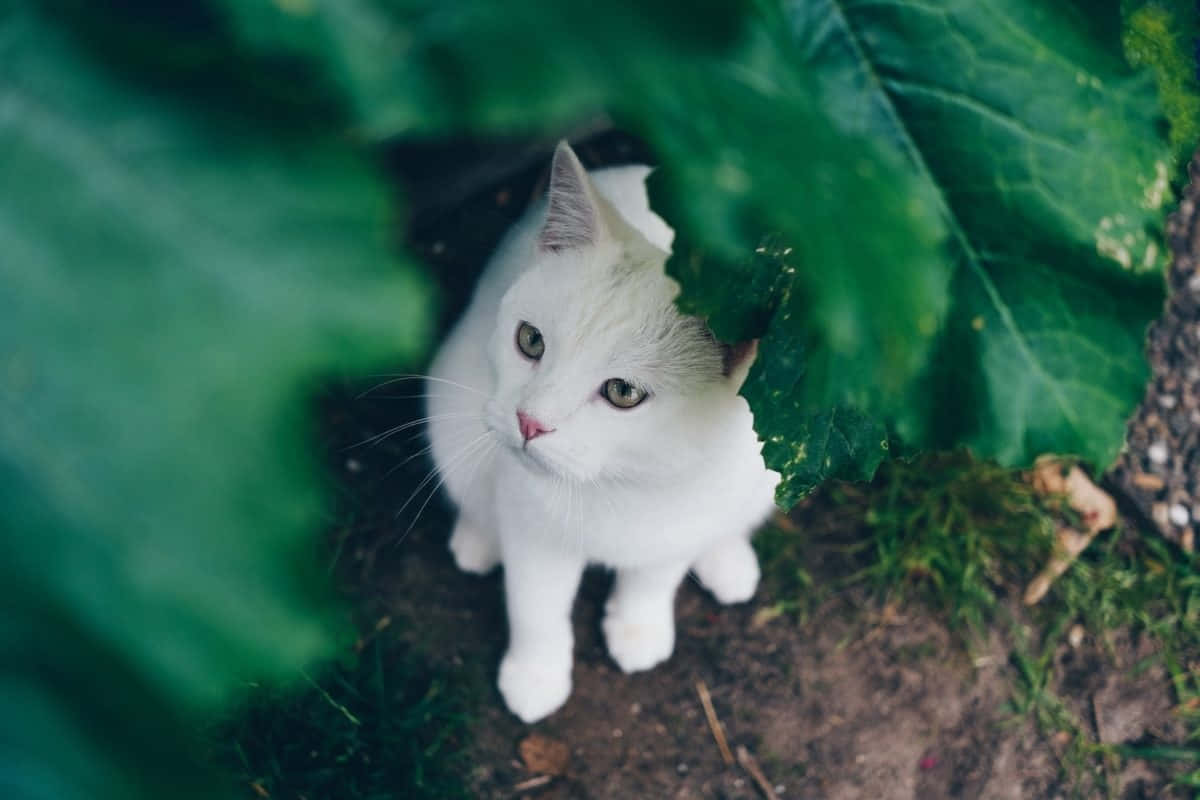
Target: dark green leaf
x,y
176,277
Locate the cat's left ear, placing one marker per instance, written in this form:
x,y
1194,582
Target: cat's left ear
x,y
738,358
573,218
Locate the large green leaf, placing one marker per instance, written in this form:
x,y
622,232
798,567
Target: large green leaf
x,y
1026,134
1049,166
176,276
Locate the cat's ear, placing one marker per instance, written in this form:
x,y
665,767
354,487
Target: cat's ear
x,y
573,214
738,359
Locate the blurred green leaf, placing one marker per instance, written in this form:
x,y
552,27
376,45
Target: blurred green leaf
x,y
847,141
176,277
426,66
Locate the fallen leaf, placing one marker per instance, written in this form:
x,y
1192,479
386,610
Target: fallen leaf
x,y
544,755
1096,508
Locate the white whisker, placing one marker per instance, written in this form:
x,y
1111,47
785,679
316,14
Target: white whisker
x,y
488,447
379,437
413,377
467,448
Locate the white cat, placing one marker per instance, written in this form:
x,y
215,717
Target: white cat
x,y
577,417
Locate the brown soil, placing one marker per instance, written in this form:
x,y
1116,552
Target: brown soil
x,y
856,701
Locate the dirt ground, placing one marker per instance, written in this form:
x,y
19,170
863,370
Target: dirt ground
x,y
854,701
859,701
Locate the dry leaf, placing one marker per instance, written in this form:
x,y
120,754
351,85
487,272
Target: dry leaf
x,y
544,755
1095,506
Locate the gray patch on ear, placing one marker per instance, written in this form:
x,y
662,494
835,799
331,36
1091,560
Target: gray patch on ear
x,y
572,216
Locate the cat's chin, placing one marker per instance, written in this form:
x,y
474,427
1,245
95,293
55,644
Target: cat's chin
x,y
537,461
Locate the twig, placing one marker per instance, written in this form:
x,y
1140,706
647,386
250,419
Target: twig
x,y
718,732
751,766
533,783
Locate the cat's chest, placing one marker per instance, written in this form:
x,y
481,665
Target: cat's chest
x,y
620,525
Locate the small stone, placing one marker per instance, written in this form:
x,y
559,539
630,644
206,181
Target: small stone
x,y
1157,452
635,709
353,465
1075,636
617,733
1179,515
1167,401
1159,513
681,768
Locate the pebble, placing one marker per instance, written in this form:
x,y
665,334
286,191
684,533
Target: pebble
x,y
681,768
1157,453
1179,515
1167,401
1075,635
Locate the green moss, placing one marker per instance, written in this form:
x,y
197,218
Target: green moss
x,y
1160,35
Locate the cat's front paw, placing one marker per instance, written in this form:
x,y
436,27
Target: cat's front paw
x,y
730,571
638,642
533,685
474,550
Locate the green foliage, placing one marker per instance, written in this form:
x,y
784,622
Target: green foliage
x,y
1162,35
964,199
1038,150
955,205
177,275
383,727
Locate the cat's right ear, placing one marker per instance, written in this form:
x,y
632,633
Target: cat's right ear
x,y
573,215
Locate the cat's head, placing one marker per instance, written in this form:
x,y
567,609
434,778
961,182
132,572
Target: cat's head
x,y
598,375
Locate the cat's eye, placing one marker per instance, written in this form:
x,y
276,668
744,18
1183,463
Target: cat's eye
x,y
622,394
529,341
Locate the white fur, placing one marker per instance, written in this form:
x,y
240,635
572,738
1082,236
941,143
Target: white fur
x,y
674,483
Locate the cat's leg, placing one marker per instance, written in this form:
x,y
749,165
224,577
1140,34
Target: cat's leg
x,y
729,570
476,549
539,589
639,618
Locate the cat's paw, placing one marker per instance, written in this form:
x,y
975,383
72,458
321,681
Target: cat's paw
x,y
638,642
534,686
474,550
730,571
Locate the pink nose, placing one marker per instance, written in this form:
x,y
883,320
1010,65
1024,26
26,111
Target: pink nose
x,y
530,427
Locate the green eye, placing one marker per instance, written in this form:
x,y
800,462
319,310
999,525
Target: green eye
x,y
529,341
622,394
